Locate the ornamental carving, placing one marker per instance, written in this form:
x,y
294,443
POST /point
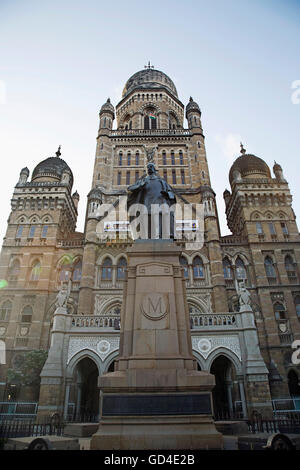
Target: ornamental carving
x,y
155,306
206,345
102,346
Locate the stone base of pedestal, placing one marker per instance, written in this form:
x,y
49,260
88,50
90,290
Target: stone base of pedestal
x,y
156,409
157,433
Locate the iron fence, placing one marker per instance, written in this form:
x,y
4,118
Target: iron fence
x,y
21,428
287,424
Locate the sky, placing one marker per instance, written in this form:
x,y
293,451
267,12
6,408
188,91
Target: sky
x,y
61,59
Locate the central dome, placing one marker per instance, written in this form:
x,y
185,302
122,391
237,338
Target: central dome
x,y
149,78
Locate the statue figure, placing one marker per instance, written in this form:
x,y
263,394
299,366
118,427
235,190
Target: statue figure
x,y
63,295
150,153
156,197
243,295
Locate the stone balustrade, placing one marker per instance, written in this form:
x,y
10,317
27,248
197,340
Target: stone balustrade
x,y
96,321
150,132
222,321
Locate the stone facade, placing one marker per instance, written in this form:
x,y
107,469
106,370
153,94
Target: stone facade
x,y
42,249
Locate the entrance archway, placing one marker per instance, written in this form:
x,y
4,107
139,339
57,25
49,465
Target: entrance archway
x,y
226,395
87,400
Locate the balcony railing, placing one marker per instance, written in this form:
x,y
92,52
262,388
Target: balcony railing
x,y
286,338
71,243
95,321
213,320
151,132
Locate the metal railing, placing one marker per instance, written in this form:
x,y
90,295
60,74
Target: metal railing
x,y
21,428
15,410
286,406
279,424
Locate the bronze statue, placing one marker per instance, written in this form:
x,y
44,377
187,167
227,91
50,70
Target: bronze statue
x,y
156,197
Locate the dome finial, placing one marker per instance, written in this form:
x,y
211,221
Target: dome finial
x,y
58,153
149,66
191,99
243,150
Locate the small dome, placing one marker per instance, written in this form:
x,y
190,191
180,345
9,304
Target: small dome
x,y
95,193
149,78
192,106
52,167
107,107
25,170
247,165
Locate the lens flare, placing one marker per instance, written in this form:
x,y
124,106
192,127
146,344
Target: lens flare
x,y
3,283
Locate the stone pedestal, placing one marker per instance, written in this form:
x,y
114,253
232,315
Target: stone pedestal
x,y
52,375
156,399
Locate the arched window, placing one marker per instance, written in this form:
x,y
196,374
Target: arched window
x,y
184,264
164,158
279,310
35,271
172,157
270,269
5,310
297,305
228,274
14,271
290,268
146,122
77,271
19,231
120,158
182,177
44,231
64,274
180,157
173,176
240,269
137,158
128,159
106,272
121,267
153,122
198,268
27,314
165,173
31,231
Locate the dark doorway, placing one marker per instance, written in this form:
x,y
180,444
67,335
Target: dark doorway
x,y
111,367
88,392
225,393
293,381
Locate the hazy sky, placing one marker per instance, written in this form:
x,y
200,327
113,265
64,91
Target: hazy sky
x,y
60,60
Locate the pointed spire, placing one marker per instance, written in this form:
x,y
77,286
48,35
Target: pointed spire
x,y
108,100
243,150
58,153
191,99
